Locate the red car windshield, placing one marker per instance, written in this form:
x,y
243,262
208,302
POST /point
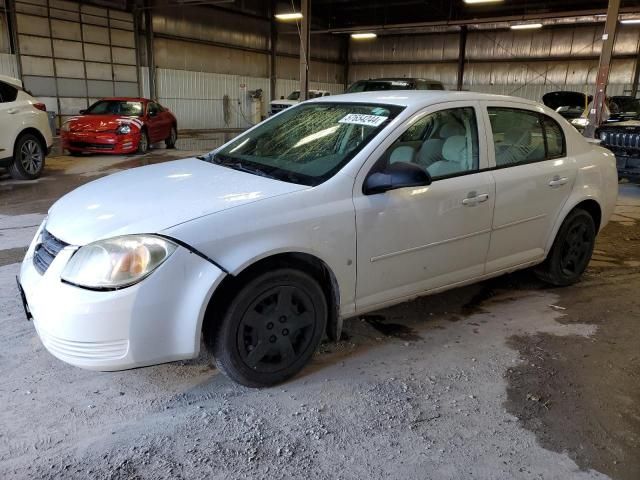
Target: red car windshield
x,y
116,107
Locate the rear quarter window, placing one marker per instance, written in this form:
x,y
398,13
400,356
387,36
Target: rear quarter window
x,y
8,93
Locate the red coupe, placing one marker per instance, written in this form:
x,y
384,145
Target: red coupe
x,y
119,125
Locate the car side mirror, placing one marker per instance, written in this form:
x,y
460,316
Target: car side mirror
x,y
397,175
82,112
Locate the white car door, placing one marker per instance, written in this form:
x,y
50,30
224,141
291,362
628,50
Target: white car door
x,y
533,176
412,240
8,121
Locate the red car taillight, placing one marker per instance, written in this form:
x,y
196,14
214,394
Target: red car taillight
x,y
40,106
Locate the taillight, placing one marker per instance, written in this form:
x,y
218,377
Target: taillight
x,y
40,106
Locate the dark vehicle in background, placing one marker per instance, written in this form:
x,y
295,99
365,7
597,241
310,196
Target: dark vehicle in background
x,y
570,105
621,134
381,84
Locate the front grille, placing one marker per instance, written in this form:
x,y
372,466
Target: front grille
x,y
277,108
94,146
47,251
621,140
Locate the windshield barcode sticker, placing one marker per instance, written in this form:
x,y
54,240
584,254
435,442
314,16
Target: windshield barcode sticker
x,y
362,119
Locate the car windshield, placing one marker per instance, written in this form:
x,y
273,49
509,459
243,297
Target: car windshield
x,y
116,107
374,86
307,144
625,106
294,96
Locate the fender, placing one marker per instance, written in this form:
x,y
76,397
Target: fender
x,y
597,181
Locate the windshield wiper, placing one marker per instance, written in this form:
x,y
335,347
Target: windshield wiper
x,y
235,164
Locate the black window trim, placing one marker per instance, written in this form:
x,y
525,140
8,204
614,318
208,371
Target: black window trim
x,y
541,118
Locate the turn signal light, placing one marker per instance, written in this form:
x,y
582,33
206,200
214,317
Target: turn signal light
x,y
40,106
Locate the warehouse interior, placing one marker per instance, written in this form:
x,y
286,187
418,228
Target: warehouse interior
x,y
509,378
192,55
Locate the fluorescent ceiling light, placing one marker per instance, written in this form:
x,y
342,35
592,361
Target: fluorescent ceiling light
x,y
475,2
288,16
526,26
363,36
631,21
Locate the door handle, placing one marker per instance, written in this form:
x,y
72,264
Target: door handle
x,y
558,181
472,200
12,111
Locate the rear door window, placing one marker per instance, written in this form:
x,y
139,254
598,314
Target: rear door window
x,y
8,93
517,136
524,136
556,144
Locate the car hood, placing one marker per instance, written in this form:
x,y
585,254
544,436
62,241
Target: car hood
x,y
100,123
555,100
154,198
285,102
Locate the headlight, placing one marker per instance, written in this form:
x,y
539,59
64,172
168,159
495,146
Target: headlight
x,y
124,129
65,127
603,136
117,262
580,122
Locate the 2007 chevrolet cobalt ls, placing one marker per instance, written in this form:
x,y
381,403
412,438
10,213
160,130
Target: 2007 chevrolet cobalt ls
x,y
332,208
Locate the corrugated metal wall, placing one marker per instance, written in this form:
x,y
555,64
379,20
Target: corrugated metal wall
x,y
203,55
197,98
524,63
8,65
72,54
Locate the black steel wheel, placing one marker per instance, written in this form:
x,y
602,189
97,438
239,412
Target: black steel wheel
x,y
271,328
171,140
28,158
571,251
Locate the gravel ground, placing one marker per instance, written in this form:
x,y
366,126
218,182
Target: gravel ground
x,y
445,387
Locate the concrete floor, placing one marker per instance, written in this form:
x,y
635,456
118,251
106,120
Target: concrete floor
x,y
501,380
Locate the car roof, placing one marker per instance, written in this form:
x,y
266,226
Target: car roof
x,y
399,79
11,81
126,99
408,98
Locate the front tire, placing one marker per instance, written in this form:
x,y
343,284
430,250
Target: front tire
x,y
28,158
143,143
571,250
271,328
170,142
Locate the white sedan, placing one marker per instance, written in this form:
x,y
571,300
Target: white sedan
x,y
335,207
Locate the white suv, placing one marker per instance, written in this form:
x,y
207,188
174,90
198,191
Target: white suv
x,y
25,135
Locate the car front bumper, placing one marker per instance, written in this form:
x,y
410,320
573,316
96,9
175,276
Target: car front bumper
x,y
155,321
100,142
628,167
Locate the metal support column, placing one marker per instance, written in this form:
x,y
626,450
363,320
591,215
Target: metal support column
x,y
273,30
345,60
305,44
461,55
148,35
636,75
609,38
12,23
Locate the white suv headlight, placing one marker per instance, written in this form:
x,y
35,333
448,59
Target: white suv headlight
x,y
117,262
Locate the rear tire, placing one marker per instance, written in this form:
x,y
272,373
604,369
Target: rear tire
x,y
271,328
28,158
143,143
571,250
170,142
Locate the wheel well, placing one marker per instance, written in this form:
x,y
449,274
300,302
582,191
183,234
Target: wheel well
x,y
301,261
33,131
592,208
